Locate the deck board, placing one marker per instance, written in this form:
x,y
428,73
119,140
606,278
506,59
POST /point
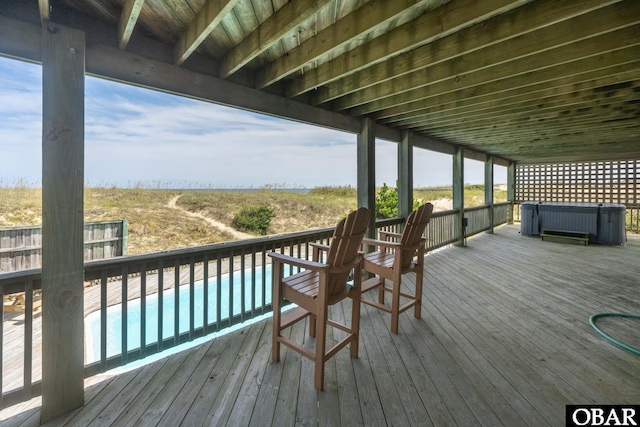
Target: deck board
x,y
504,339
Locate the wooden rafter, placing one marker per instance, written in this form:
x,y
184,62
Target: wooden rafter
x,y
535,96
422,30
44,7
364,20
500,28
531,52
208,18
128,20
615,64
283,21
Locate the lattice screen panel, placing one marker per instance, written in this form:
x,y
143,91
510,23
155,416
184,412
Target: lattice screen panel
x,y
595,182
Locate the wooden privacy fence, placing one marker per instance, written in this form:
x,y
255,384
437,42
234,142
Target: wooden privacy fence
x,y
21,247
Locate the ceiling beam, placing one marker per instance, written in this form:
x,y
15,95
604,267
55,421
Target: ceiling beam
x,y
450,105
476,70
208,18
361,21
585,109
45,8
589,92
523,20
626,153
445,20
128,20
585,120
576,145
509,58
521,144
556,109
287,18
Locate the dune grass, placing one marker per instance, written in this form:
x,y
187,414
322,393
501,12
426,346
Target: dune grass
x,y
154,225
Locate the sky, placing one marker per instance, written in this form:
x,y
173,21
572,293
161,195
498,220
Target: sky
x,y
140,137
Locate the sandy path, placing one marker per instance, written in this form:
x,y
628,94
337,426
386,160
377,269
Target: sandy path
x,y
442,204
220,226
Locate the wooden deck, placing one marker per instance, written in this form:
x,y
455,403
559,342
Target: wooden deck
x,y
504,340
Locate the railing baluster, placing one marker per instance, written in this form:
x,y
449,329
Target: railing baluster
x,y
242,287
143,311
176,302
265,304
218,293
125,317
103,319
28,339
160,306
230,284
192,296
205,295
253,283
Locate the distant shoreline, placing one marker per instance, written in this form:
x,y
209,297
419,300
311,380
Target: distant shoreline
x,y
244,190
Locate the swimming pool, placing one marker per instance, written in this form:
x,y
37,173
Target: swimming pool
x,y
114,312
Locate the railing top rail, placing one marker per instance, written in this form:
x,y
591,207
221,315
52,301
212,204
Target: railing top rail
x,y
476,208
15,281
184,256
444,213
389,221
27,227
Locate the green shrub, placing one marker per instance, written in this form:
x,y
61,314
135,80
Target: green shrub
x,y
387,202
254,219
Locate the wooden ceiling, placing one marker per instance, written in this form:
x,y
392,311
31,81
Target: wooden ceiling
x,y
526,81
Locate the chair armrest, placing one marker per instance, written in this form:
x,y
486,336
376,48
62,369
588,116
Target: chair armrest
x,y
381,243
320,246
298,262
317,248
384,234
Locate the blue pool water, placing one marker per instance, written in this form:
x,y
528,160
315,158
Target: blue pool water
x,y
114,313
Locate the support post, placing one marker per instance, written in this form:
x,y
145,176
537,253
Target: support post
x,y
367,172
405,174
511,190
488,190
458,194
63,65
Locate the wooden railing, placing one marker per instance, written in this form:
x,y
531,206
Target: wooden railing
x,y
221,284
477,220
441,230
21,247
501,213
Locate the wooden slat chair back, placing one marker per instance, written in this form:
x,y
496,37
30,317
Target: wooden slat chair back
x,y
412,235
398,254
319,285
345,244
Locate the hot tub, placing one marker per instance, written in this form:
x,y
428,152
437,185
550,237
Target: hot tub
x,y
604,222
